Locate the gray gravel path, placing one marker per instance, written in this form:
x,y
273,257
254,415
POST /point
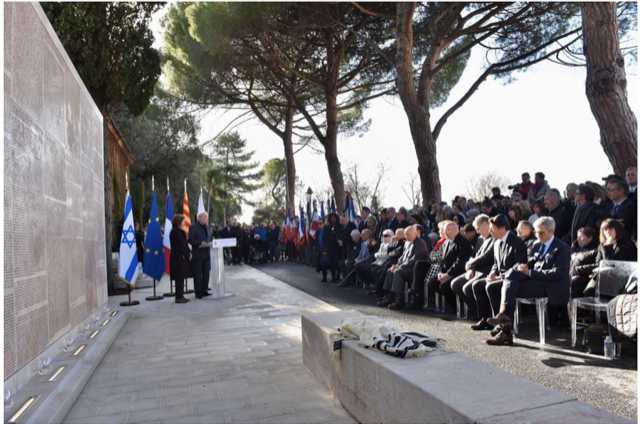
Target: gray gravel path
x,y
603,384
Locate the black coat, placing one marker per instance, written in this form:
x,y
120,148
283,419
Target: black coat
x,y
482,261
622,250
508,254
455,254
552,270
587,215
197,235
330,235
180,255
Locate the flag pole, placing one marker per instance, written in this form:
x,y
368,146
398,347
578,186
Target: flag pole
x,y
170,293
155,296
186,280
129,302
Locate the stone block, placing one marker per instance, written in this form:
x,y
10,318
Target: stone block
x,y
440,387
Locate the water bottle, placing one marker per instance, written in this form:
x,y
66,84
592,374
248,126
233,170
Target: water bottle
x,y
609,348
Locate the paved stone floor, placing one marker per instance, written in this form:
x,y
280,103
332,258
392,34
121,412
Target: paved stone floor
x,y
610,385
236,360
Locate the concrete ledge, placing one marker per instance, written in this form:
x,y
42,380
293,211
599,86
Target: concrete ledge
x,y
55,399
443,387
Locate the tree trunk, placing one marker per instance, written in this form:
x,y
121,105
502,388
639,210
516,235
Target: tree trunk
x,y
108,206
287,140
331,150
425,147
606,85
416,106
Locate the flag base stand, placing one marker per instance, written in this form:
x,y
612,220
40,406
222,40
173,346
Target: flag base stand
x,y
154,297
129,302
171,293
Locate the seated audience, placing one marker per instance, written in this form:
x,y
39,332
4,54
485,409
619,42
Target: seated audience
x,y
508,251
615,245
560,214
524,230
415,249
537,210
395,247
587,213
469,232
476,267
621,207
455,253
583,260
546,274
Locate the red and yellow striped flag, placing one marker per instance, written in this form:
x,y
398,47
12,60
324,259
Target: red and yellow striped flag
x,y
185,211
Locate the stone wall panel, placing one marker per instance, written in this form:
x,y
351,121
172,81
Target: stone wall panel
x,y
54,274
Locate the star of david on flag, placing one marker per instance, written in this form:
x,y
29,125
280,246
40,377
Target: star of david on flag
x,y
128,260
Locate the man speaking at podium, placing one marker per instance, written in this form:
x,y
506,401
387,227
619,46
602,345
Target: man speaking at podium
x,y
200,241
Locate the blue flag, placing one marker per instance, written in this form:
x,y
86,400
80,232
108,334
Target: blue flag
x,y
153,264
301,224
128,260
322,211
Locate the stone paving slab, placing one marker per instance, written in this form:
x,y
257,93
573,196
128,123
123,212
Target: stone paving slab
x,y
234,360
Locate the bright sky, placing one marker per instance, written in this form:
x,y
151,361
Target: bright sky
x,y
539,122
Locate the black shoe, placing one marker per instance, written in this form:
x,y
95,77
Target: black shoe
x,y
481,325
182,300
503,338
198,297
206,294
396,306
384,302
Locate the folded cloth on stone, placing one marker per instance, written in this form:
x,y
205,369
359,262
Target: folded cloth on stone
x,y
379,334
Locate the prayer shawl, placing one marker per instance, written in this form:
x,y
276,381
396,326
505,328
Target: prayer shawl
x,y
375,333
623,314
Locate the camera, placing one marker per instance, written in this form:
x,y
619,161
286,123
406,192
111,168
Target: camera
x,y
514,187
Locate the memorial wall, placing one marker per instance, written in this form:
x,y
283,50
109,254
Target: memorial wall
x,y
54,237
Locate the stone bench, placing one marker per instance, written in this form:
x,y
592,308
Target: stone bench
x,y
442,387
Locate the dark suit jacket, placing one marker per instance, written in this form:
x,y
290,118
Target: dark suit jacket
x,y
587,215
455,255
418,253
508,254
623,250
552,270
627,213
197,235
483,259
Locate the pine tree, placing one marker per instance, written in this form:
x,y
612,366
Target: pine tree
x,y
233,174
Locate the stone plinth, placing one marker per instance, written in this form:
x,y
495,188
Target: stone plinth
x,y
442,387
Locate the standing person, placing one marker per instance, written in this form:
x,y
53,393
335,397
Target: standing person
x,y
139,243
331,237
180,256
201,263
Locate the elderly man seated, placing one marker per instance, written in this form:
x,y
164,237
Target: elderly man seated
x,y
362,261
352,250
545,275
415,249
455,254
390,251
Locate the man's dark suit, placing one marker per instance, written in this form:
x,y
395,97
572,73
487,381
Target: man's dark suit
x,y
562,215
481,264
201,259
394,281
627,213
455,254
548,276
506,254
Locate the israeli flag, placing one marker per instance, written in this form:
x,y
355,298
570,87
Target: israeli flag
x,y
128,261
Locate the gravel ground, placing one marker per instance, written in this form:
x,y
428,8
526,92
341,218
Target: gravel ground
x,y
610,385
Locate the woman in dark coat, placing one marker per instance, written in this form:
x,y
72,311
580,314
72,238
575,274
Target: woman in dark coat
x,y
180,257
615,245
330,254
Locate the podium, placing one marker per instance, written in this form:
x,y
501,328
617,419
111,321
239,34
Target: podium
x,y
216,276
